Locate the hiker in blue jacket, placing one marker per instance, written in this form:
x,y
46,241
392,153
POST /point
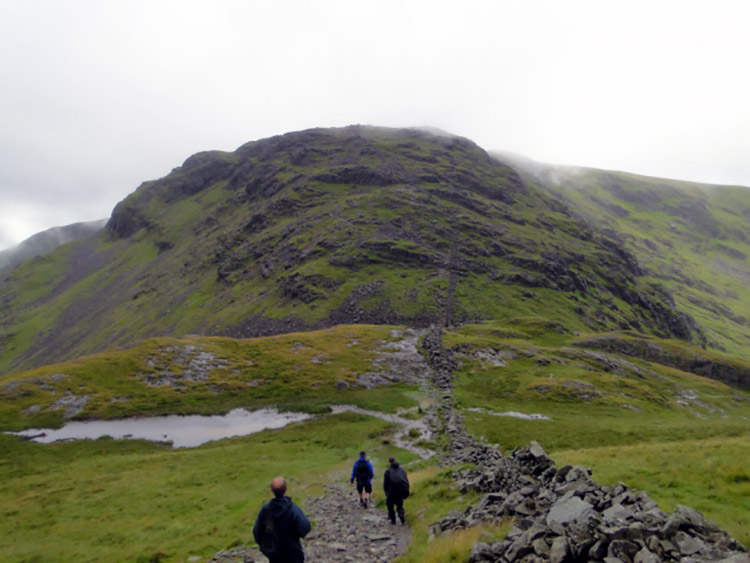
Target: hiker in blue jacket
x,y
279,527
363,473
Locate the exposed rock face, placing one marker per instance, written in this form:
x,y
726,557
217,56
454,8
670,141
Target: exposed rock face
x,y
562,514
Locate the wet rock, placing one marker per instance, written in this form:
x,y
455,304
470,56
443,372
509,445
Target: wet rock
x,y
623,550
689,545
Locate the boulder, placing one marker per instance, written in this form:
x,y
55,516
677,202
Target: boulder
x,y
569,510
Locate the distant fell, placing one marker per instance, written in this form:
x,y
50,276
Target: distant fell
x,y
331,226
691,238
46,241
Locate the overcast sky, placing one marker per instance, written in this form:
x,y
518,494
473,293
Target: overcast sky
x,y
97,96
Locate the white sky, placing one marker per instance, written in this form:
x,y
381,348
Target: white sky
x,y
97,96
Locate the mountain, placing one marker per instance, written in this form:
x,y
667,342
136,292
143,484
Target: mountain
x,y
330,226
586,310
46,241
693,239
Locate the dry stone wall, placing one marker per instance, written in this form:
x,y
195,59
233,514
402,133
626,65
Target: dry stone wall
x,y
561,514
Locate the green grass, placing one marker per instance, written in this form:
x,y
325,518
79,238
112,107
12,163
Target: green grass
x,y
679,436
432,497
711,475
106,500
298,371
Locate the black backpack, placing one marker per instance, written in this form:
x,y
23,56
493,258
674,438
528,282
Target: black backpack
x,y
400,482
362,472
269,541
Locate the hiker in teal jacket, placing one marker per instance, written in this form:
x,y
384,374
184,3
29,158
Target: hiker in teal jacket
x,y
363,473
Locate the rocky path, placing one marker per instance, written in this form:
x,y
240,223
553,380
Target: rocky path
x,y
412,430
561,515
346,532
343,531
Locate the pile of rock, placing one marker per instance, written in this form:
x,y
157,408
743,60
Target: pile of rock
x,y
563,515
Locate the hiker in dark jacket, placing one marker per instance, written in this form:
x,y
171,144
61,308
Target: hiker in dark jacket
x,y
363,472
396,487
279,527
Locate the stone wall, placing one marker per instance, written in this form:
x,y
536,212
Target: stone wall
x,y
561,514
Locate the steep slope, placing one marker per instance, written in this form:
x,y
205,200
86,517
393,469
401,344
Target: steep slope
x,y
46,241
692,238
323,227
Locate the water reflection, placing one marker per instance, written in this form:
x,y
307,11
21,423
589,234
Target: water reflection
x,y
182,431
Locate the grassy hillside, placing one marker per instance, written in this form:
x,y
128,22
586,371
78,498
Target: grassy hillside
x,y
692,238
680,436
677,435
299,371
323,227
612,306
46,241
133,501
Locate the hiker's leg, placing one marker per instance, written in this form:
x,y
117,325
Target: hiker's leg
x,y
400,508
391,512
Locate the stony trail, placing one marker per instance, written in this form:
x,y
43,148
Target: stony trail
x,y
402,438
343,531
561,514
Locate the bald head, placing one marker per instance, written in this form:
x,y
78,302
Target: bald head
x,y
278,486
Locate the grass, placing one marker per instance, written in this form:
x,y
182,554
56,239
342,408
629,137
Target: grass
x,y
432,497
131,500
456,547
676,435
679,436
708,474
298,371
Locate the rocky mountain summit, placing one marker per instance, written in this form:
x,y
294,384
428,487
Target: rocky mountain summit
x,y
323,227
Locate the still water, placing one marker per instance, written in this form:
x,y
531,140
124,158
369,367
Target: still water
x,y
182,431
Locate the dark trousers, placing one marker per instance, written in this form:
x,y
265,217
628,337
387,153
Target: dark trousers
x,y
398,502
288,558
